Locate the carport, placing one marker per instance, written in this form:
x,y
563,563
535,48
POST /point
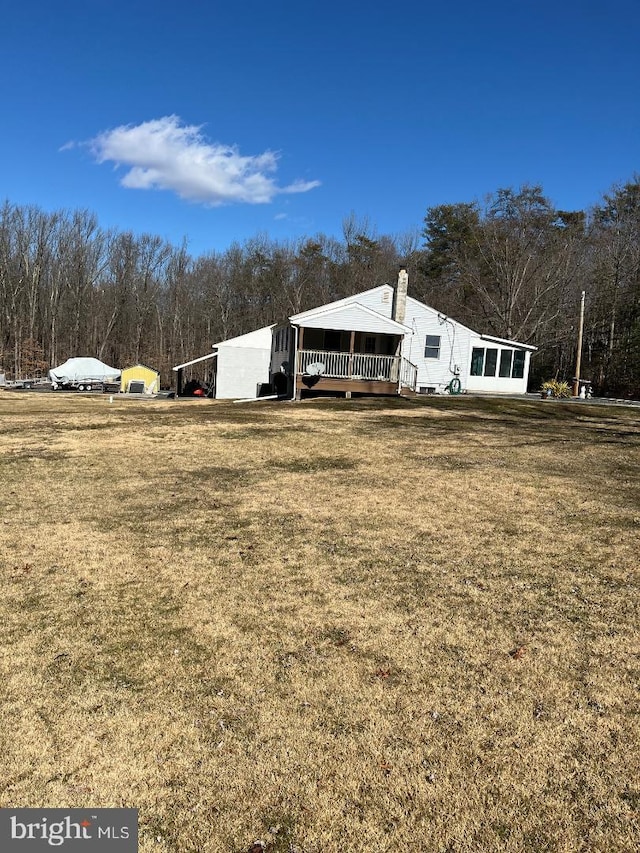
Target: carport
x,y
180,368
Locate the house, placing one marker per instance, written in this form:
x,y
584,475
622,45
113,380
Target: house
x,y
383,341
237,368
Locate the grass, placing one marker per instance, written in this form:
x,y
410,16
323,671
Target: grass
x,y
330,626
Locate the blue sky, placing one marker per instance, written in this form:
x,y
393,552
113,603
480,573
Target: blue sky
x,y
215,121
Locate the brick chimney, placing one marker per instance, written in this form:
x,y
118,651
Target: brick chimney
x,y
399,307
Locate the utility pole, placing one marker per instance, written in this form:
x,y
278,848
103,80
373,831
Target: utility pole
x,y
576,378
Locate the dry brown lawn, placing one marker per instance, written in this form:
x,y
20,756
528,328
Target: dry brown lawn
x,y
332,626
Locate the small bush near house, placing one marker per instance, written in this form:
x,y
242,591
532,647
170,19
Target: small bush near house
x,y
557,388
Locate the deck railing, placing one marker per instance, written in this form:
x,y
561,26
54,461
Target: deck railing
x,y
345,365
321,363
408,375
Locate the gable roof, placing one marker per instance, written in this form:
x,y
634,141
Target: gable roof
x,y
349,314
301,318
297,318
257,338
139,366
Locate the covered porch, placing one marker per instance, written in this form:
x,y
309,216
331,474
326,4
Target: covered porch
x,y
351,362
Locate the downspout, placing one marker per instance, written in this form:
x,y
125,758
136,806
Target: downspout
x,y
295,360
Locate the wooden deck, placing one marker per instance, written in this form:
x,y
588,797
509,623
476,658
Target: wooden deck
x,y
324,371
353,386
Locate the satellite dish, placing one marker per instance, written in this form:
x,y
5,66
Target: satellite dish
x,y
316,368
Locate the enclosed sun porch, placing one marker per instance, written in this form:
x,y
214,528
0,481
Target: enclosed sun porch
x,y
350,349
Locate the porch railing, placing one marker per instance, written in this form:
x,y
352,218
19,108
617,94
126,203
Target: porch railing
x,y
345,365
408,375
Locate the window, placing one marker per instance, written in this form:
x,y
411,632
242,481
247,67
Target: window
x,y
370,345
505,363
484,363
491,360
282,340
477,361
432,346
518,364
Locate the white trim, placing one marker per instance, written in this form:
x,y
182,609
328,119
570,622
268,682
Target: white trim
x,y
251,334
195,361
297,318
325,311
508,343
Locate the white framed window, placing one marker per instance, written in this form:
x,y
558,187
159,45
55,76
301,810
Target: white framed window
x,y
477,361
509,365
490,362
517,371
506,357
432,346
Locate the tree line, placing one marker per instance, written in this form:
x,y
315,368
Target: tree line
x,y
513,266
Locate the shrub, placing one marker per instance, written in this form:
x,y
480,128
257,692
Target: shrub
x,y
557,388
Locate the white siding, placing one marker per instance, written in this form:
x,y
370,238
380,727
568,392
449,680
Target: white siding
x,y
454,346
353,318
380,299
423,320
375,298
243,364
258,339
240,371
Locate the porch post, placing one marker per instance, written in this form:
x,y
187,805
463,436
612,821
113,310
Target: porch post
x,y
398,363
352,343
297,393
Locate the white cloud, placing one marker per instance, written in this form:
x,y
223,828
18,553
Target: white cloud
x,y
164,154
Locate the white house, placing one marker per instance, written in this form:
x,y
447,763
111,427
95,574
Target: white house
x,y
236,368
383,341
